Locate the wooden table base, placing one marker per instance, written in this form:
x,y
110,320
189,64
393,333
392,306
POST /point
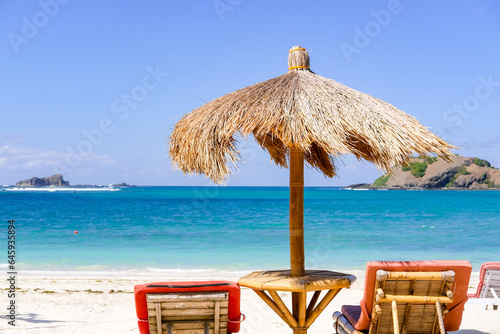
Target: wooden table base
x,y
307,314
266,284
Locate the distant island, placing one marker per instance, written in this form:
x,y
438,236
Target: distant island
x,y
435,173
58,181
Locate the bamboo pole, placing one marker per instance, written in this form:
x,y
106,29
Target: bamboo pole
x,y
272,304
321,306
296,226
376,312
292,322
302,309
313,302
415,299
217,317
297,213
395,317
439,311
158,318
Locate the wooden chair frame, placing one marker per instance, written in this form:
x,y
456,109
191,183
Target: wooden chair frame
x,y
491,282
439,293
487,294
188,312
406,301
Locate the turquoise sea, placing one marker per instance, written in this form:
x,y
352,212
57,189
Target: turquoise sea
x,y
245,228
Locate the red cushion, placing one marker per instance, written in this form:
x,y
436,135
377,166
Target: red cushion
x,y
140,291
453,318
485,266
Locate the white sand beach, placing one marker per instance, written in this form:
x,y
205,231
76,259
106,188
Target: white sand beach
x,y
100,302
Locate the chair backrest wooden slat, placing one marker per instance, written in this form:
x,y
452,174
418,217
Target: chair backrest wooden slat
x,y
188,313
415,294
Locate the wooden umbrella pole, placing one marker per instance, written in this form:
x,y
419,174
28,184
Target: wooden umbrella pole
x,y
297,213
297,229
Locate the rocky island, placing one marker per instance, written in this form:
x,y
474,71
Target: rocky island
x,y
436,173
58,181
51,181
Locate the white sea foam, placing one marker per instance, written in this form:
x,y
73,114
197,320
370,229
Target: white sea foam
x,y
53,189
148,273
156,274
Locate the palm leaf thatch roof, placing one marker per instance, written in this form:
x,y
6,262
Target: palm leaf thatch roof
x,y
304,111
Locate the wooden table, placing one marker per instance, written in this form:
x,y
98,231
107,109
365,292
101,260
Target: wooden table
x,y
313,281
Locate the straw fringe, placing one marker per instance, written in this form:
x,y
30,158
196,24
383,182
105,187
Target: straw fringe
x,y
301,110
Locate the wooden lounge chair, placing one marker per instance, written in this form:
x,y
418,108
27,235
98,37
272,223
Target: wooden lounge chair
x,y
488,288
211,307
422,297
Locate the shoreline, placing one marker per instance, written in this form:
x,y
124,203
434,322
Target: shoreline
x,y
53,189
103,302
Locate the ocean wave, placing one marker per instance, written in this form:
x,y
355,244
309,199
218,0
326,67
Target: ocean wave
x,y
151,273
196,271
53,189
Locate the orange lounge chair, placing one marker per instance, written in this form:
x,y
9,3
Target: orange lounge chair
x,y
188,307
424,296
488,288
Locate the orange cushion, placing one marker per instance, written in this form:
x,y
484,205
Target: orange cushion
x,y
452,319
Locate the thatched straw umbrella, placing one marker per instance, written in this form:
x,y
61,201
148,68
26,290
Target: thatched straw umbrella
x,y
296,117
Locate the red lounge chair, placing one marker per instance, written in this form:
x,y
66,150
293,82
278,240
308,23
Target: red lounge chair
x,y
424,297
488,288
194,307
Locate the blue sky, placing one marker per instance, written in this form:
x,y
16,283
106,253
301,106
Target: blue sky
x,y
93,89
